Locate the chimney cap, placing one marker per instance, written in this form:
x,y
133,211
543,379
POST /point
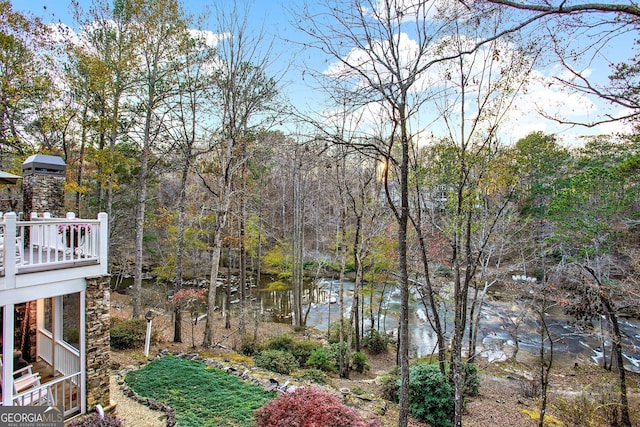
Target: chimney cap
x,y
44,164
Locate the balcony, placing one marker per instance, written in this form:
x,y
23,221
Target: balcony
x,y
45,250
44,266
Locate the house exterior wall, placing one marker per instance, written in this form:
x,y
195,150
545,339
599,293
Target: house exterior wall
x,y
97,341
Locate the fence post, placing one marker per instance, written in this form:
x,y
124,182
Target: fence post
x,y
10,250
104,243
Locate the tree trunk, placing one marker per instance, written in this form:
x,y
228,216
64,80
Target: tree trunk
x,y
112,144
403,219
227,307
356,286
208,339
177,326
141,207
379,313
242,276
474,318
372,319
216,251
83,141
298,244
545,366
342,363
616,348
433,305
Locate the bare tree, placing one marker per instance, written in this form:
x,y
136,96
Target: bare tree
x,y
364,209
471,168
109,40
244,95
189,109
541,306
612,315
374,70
160,29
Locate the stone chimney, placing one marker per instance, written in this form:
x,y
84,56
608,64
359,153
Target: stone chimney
x,y
43,179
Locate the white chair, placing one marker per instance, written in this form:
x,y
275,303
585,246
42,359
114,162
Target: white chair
x,y
27,388
24,379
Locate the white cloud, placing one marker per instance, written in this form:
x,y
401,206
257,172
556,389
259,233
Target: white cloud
x,y
544,97
543,105
61,33
548,106
363,62
621,126
210,38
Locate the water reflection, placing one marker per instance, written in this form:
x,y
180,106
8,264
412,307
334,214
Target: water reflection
x,y
502,323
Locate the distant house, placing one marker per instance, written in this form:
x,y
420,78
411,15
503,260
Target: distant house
x,y
54,298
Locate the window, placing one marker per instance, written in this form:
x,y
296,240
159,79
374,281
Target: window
x,y
71,319
48,314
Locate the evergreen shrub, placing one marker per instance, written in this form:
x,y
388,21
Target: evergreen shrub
x,y
334,352
301,349
430,395
278,361
128,333
471,379
280,342
359,362
375,342
321,359
442,271
249,346
314,375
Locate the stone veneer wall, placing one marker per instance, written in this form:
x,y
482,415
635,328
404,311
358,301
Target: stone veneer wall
x,y
97,341
43,193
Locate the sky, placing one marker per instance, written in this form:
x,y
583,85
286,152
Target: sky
x,y
274,18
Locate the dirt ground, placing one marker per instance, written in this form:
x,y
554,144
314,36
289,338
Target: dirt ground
x,y
503,386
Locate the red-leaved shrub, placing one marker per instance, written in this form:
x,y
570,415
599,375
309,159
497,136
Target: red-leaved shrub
x,y
308,407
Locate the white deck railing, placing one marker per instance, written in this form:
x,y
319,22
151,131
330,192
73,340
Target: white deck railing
x,y
62,391
46,243
67,358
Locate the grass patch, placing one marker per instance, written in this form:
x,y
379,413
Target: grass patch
x,y
200,395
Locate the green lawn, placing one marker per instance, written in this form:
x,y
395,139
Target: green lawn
x,y
200,395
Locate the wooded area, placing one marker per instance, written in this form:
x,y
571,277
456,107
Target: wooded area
x,y
184,136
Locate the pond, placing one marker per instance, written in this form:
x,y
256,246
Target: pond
x,y
496,337
500,318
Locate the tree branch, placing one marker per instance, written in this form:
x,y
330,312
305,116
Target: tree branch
x,y
627,9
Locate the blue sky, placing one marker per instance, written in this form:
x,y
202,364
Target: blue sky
x,y
59,9
271,16
274,19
